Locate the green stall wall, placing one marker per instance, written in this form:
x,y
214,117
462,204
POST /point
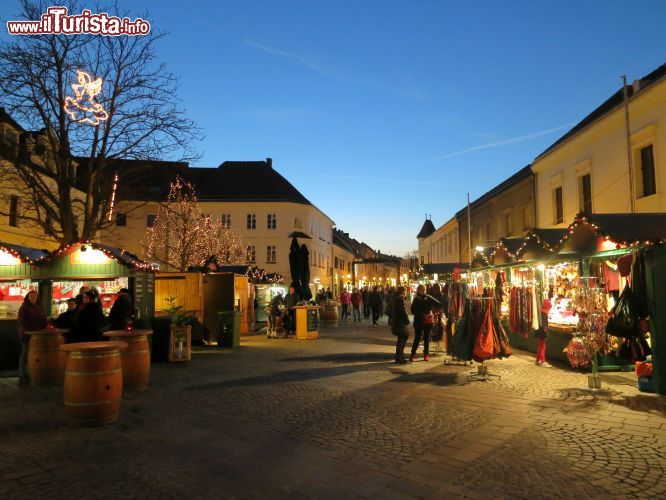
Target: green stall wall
x,y
655,270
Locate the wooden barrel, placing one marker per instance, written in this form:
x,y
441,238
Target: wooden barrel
x,y
46,362
93,381
329,313
135,359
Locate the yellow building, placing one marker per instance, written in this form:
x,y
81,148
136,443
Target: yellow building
x,y
588,170
21,222
250,197
439,245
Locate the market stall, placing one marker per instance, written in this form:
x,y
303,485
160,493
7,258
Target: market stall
x,y
17,277
107,269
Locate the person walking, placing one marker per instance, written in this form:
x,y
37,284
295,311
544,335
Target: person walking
x,y
31,317
542,333
388,306
345,300
376,304
424,319
356,301
365,296
89,320
399,323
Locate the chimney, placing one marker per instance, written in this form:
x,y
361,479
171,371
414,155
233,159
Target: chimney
x,y
269,162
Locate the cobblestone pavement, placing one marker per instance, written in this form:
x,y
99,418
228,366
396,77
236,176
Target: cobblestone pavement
x,y
335,418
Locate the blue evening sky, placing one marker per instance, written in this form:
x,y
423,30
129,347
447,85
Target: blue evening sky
x,y
382,111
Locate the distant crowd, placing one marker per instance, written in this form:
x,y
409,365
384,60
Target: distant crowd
x,y
361,304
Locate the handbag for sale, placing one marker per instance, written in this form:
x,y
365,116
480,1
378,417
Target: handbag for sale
x,y
623,320
429,319
484,345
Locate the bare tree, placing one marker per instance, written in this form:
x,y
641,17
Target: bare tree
x,y
183,236
138,93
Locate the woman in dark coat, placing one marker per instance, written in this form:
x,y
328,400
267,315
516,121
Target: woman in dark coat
x,y
89,321
30,317
399,323
121,310
424,319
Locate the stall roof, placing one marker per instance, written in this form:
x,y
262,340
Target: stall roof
x,y
26,254
627,228
444,268
551,237
123,257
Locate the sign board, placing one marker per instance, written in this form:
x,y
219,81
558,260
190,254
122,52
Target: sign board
x,y
313,320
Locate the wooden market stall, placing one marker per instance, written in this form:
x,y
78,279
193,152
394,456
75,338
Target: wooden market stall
x,y
105,268
18,276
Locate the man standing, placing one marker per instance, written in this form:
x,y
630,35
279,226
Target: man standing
x,y
291,301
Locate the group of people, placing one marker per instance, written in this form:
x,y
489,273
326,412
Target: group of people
x,y
426,308
366,302
283,308
84,319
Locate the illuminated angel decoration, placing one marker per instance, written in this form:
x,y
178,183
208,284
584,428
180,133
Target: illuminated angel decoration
x,y
83,108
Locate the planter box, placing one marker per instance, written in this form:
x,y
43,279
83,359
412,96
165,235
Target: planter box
x,y
180,344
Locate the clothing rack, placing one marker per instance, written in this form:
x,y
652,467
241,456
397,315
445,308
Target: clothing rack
x,y
481,374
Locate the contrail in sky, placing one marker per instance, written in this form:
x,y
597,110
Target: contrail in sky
x,y
504,142
336,75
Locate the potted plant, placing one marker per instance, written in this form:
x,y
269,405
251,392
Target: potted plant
x,y
180,341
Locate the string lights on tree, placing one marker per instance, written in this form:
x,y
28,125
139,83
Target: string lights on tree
x,y
184,237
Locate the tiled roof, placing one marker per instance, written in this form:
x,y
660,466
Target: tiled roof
x,y
248,181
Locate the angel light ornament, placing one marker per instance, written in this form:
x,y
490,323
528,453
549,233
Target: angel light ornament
x,y
83,108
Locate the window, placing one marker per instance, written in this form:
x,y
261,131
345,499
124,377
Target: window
x,y
271,254
251,253
649,184
251,221
585,198
489,232
297,223
121,219
557,203
336,262
226,220
150,220
527,220
13,210
422,259
508,224
271,221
